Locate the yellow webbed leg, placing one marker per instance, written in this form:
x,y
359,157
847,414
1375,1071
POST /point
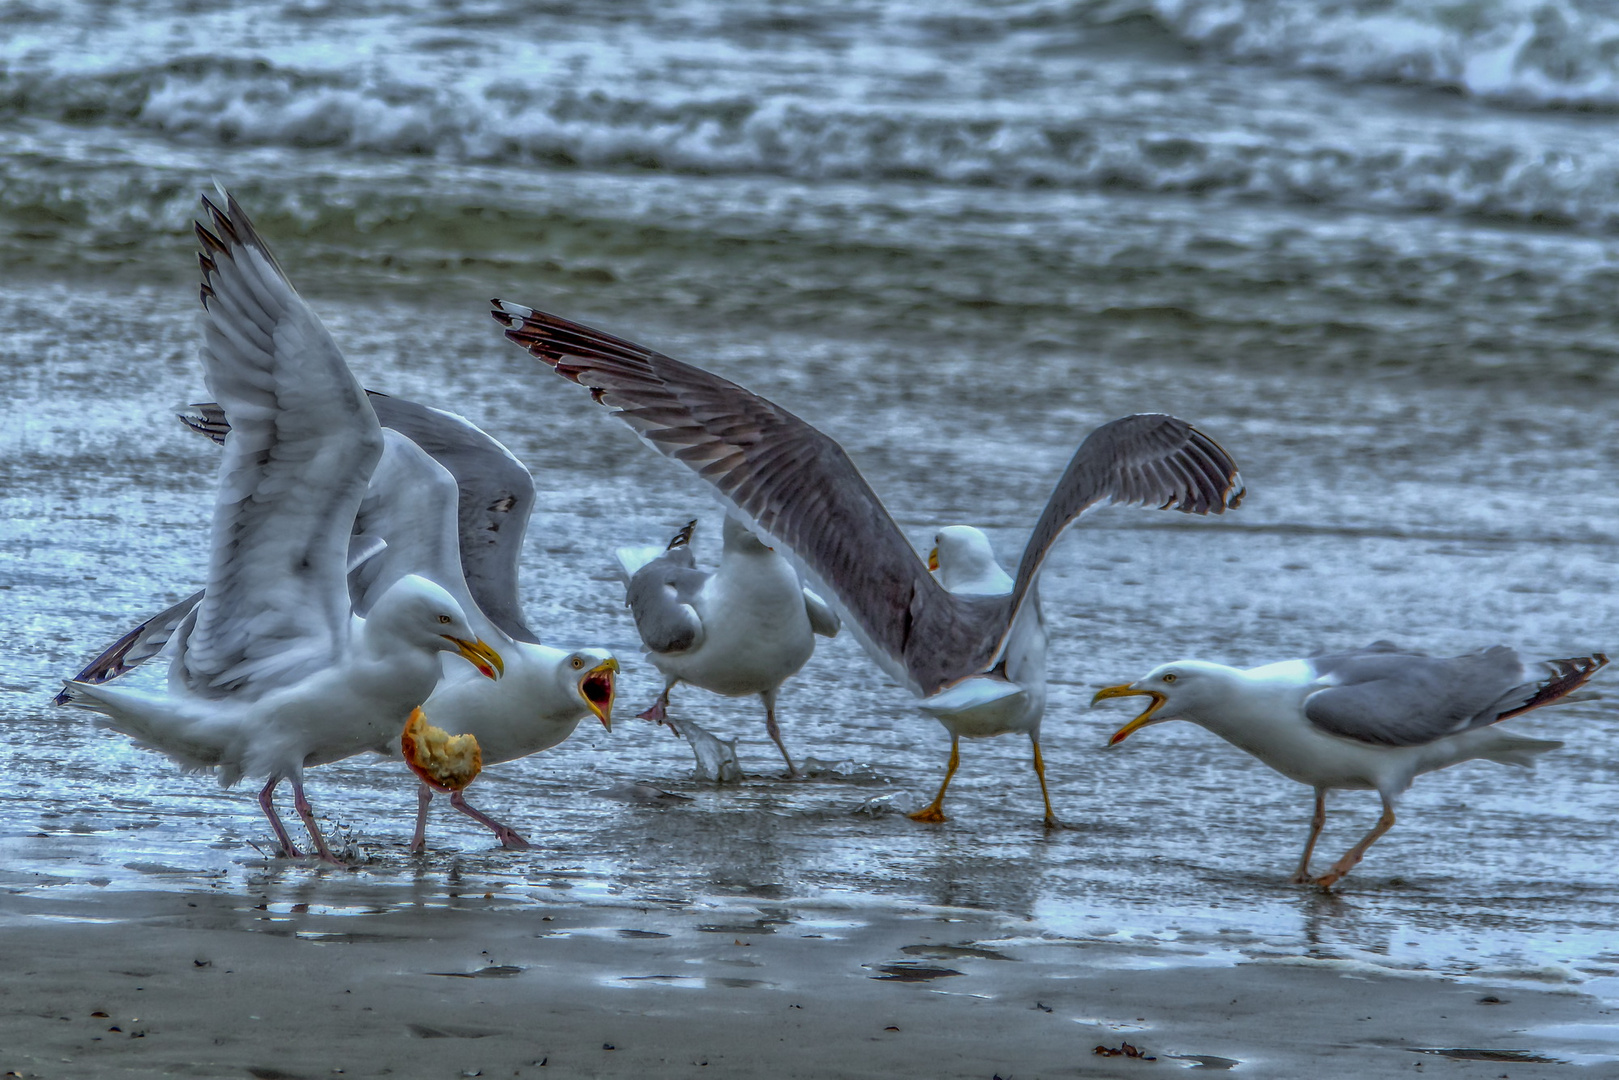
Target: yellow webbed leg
x,y
1353,855
1302,875
1040,771
933,812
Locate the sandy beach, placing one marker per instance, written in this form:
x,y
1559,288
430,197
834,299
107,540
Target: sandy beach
x,y
364,980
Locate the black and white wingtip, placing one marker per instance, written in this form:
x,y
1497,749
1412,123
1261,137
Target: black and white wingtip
x,y
1567,676
204,418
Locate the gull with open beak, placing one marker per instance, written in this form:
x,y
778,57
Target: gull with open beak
x,y
1372,718
445,502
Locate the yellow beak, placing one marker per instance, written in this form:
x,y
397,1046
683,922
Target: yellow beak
x,y
597,687
933,559
1158,699
481,656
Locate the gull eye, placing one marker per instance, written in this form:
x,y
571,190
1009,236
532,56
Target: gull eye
x,y
444,618
578,663
1169,676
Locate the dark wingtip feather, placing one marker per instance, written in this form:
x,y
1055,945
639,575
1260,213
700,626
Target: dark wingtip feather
x,y
1569,675
683,537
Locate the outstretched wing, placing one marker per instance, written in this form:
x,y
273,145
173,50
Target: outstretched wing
x,y
799,487
792,484
291,479
1149,459
134,648
1388,698
410,508
495,502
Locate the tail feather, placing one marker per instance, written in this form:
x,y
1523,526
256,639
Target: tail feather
x,y
631,559
190,743
1519,750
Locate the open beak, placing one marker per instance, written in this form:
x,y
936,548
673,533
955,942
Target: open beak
x,y
481,656
1158,699
597,688
933,559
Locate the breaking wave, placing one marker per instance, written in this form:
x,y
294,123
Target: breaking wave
x,y
507,121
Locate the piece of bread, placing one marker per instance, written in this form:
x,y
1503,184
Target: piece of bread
x,y
447,762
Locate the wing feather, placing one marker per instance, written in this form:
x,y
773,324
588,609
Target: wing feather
x,y
763,459
1149,459
291,479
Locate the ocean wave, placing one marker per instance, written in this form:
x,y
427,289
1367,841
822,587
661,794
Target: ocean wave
x,y
1527,53
502,120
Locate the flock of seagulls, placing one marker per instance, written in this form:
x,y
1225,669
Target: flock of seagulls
x,y
362,587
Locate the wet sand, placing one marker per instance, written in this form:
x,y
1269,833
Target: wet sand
x,y
374,981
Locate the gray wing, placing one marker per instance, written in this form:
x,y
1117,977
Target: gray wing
x,y
1149,459
661,597
495,500
291,478
792,484
495,503
1389,698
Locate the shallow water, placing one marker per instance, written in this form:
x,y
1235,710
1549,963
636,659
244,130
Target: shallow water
x,y
956,245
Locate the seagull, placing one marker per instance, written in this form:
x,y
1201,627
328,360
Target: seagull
x,y
1374,718
962,652
457,516
964,563
273,671
449,502
745,628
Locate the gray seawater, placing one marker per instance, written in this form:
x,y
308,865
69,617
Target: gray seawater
x,y
1371,248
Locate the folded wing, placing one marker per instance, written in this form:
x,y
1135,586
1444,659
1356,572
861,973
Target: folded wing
x,y
1389,698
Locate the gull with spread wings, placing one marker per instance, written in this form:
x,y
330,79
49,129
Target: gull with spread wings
x,y
450,503
273,671
974,655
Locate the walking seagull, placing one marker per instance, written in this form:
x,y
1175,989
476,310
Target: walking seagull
x,y
273,671
1373,718
745,628
963,653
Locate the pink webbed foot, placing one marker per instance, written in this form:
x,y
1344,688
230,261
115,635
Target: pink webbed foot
x,y
509,838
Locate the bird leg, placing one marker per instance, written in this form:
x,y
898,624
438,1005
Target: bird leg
x,y
424,796
933,813
658,711
1302,875
267,804
308,816
1353,855
769,698
508,837
1052,821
